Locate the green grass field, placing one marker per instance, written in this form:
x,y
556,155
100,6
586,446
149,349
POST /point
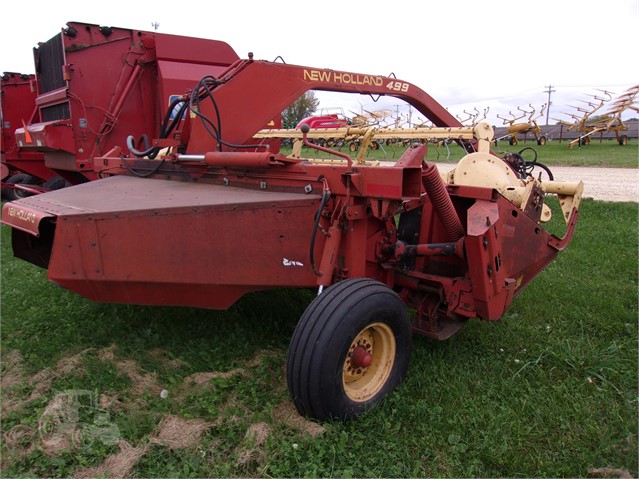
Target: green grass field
x,y
548,391
607,153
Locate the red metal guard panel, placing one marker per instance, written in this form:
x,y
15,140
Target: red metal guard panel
x,y
145,241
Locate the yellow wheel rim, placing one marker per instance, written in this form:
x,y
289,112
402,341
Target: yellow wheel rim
x,y
369,362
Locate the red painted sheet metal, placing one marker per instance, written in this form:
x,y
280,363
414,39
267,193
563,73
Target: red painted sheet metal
x,y
47,136
31,163
255,92
175,242
506,250
18,108
178,77
23,218
194,50
128,194
116,82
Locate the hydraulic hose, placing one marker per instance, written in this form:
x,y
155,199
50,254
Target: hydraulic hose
x,y
525,168
130,143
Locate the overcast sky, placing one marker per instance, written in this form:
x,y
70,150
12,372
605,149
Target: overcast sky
x,y
467,54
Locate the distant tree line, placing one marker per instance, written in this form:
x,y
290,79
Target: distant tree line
x,y
301,108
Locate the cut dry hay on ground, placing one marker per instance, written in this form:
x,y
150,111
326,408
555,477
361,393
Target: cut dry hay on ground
x,y
609,473
255,437
178,433
287,414
117,465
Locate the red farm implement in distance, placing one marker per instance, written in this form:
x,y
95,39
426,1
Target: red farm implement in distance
x,y
208,213
93,87
17,107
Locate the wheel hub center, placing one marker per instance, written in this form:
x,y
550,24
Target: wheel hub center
x,y
361,358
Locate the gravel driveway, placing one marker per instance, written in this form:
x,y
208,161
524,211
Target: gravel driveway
x,y
608,184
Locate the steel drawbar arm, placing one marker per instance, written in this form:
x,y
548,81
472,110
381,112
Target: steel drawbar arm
x,y
250,94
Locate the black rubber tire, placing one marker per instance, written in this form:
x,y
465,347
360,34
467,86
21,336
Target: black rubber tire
x,y
512,141
56,183
542,141
320,345
12,194
551,177
623,140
